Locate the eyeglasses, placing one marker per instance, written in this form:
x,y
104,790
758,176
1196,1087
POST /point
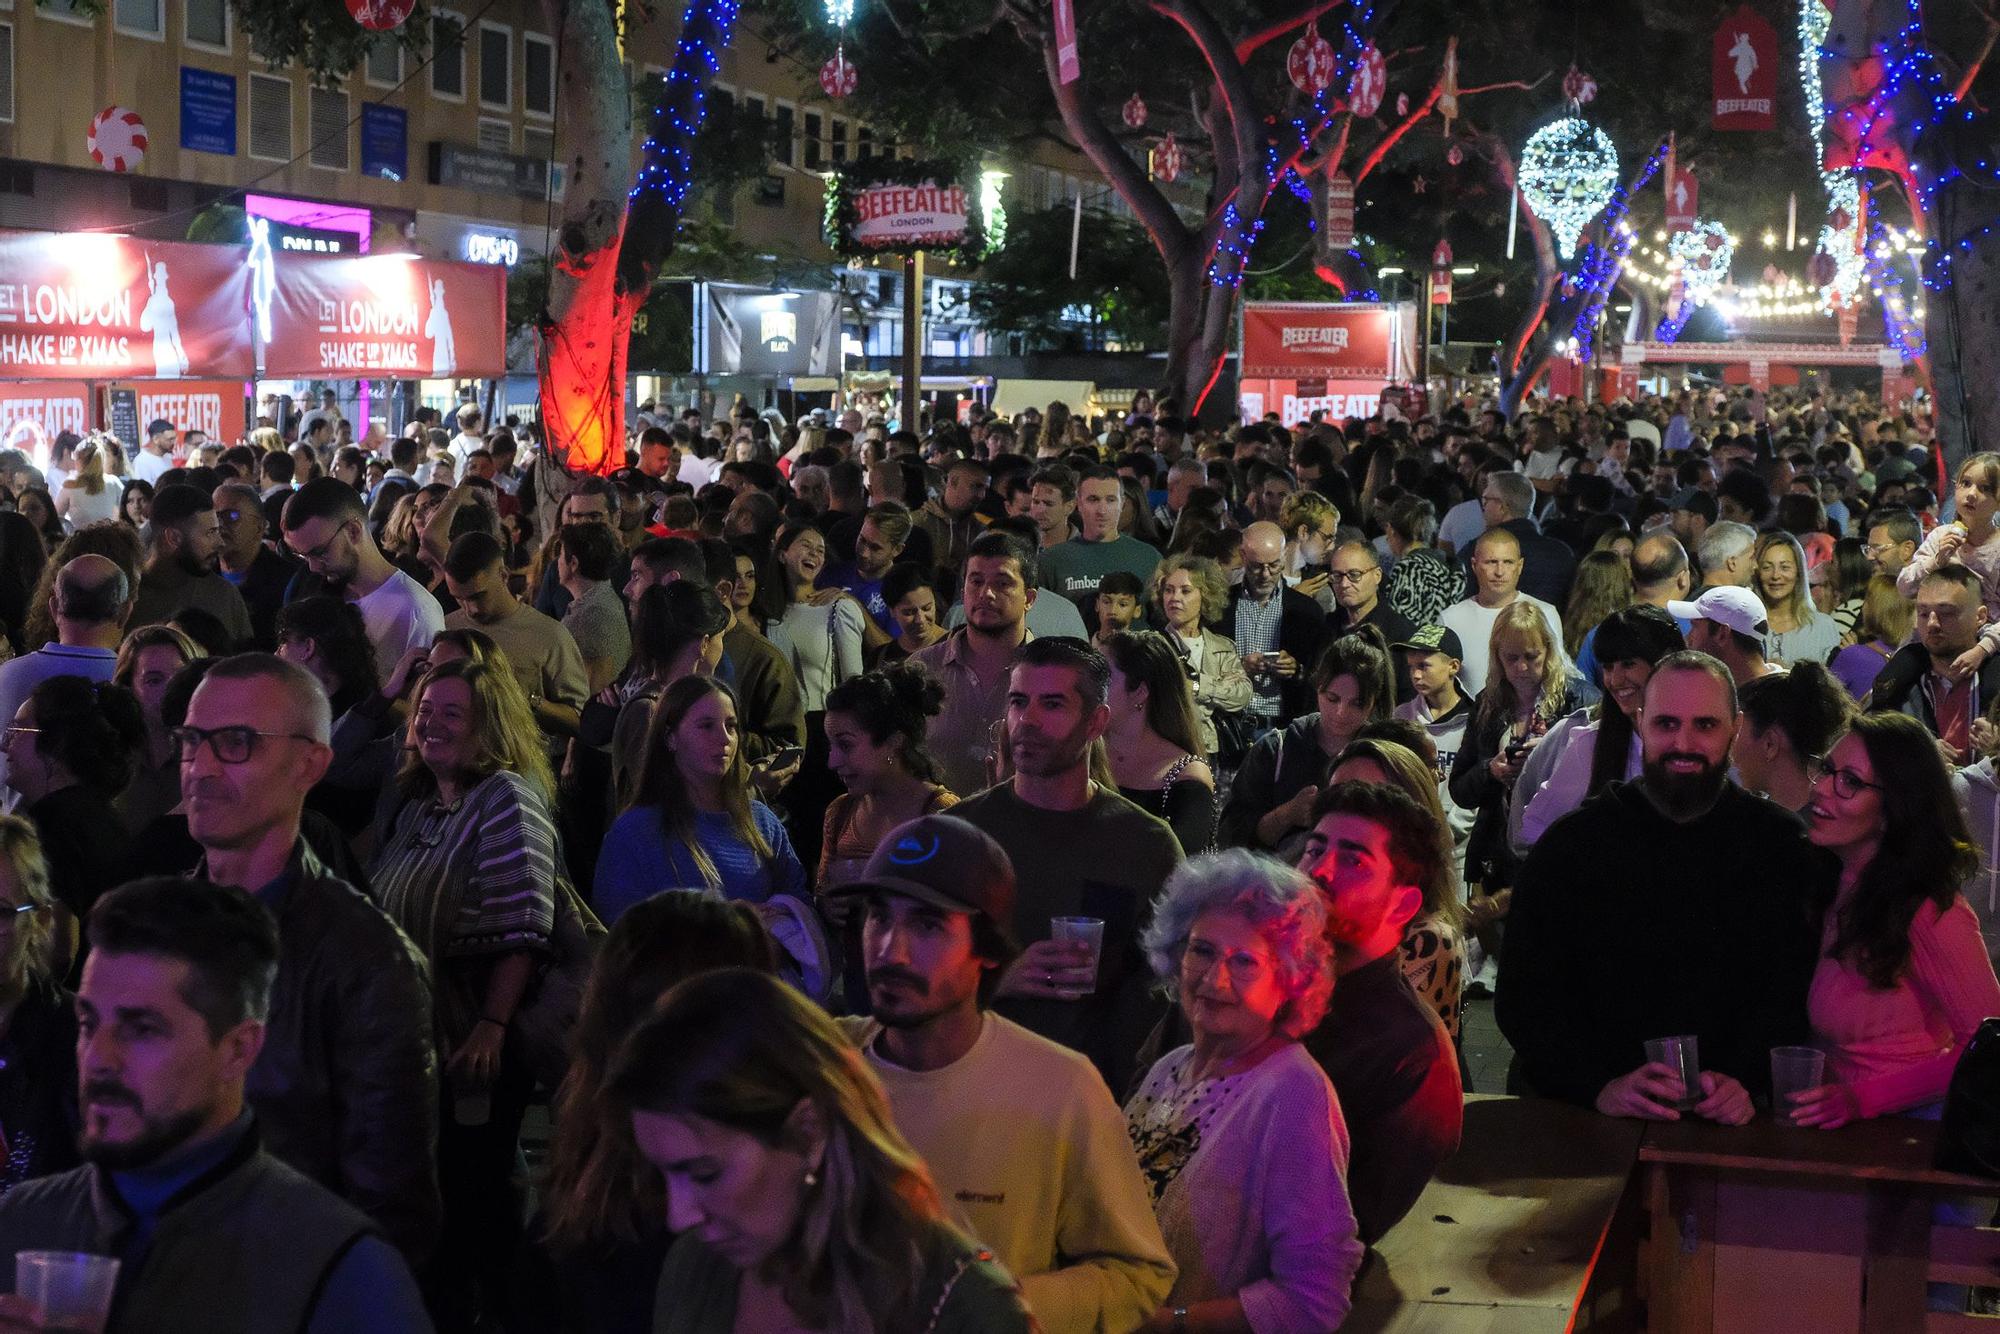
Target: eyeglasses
x,y
232,745
1846,783
1350,576
320,551
1199,958
13,730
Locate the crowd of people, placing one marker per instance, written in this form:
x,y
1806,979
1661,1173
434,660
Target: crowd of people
x,y
1026,874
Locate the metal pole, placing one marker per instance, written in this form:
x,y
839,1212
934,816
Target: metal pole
x,y
913,339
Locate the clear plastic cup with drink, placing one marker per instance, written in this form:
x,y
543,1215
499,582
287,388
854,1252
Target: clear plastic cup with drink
x,y
1088,931
70,1291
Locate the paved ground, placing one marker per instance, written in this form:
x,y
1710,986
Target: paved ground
x,y
1486,1052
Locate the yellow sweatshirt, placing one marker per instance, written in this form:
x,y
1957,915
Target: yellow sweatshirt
x,y
1031,1156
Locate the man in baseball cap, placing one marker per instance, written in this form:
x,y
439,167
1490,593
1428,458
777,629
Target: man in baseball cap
x,y
1022,1137
1728,623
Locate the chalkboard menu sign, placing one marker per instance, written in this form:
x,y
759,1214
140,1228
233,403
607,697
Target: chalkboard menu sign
x,y
121,416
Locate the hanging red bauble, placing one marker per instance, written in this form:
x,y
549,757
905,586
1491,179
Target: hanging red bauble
x,y
1310,63
1402,104
1167,160
837,77
1822,269
1370,81
1454,155
1134,112
1841,220
380,15
1579,87
117,139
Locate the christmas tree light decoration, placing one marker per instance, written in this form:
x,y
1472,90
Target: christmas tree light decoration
x,y
1569,171
1703,254
840,13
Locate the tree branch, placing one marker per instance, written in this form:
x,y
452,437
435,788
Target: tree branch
x,y
1389,140
1978,61
1250,43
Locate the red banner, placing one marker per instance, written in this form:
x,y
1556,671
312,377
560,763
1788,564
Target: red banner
x,y
383,317
213,407
87,306
1311,340
52,407
1068,68
1295,401
1683,197
1745,73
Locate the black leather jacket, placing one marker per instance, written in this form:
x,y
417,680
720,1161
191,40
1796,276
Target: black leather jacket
x,y
346,1086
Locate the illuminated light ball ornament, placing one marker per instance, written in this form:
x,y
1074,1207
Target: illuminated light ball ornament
x,y
1310,64
1134,112
1569,172
380,15
1703,252
1370,81
1168,160
837,77
117,139
1579,89
840,13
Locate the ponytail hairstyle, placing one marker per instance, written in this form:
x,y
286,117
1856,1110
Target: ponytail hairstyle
x,y
1805,703
1145,658
898,701
1363,654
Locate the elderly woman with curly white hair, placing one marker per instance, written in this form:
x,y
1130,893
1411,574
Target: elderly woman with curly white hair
x,y
1239,1133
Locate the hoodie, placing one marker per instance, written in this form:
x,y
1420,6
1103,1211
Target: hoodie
x,y
1447,732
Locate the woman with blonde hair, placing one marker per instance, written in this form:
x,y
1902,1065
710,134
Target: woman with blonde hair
x,y
602,1229
1883,627
87,496
1191,595
1530,688
1800,632
37,1017
798,1204
266,440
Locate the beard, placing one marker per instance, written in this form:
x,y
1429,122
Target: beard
x,y
1683,796
196,564
156,1138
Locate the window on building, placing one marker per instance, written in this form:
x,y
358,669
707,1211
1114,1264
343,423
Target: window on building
x,y
207,23
539,145
538,75
142,18
447,55
496,66
496,136
864,144
327,114
784,150
839,141
384,66
69,11
6,73
270,118
815,151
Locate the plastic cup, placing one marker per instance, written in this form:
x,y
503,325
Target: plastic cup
x,y
69,1290
1794,1070
1089,930
1682,1055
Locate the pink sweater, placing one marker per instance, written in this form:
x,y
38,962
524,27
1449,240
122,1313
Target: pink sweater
x,y
1897,1048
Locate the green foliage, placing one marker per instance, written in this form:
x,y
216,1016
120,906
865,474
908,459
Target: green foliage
x,y
1025,287
322,38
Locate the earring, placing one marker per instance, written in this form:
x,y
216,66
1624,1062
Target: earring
x,y
812,1179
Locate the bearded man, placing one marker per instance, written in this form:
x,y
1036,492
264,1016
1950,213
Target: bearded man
x,y
1673,905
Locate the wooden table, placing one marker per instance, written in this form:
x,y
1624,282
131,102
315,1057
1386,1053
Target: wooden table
x,y
1765,1227
1512,1230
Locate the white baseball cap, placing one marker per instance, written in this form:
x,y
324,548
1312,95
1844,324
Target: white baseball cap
x,y
1738,608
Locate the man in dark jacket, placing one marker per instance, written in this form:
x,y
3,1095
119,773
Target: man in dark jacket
x,y
1920,679
209,1231
346,1086
1279,631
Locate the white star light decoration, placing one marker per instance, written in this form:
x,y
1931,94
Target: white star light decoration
x,y
1569,170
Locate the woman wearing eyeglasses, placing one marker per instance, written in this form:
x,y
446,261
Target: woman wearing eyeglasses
x,y
1239,1134
38,1111
1903,977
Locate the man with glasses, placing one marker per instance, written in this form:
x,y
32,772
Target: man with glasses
x,y
1279,631
1893,535
1925,680
326,528
1673,905
1355,574
345,1089
180,574
260,574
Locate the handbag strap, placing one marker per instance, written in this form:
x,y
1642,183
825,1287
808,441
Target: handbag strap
x,y
965,1262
